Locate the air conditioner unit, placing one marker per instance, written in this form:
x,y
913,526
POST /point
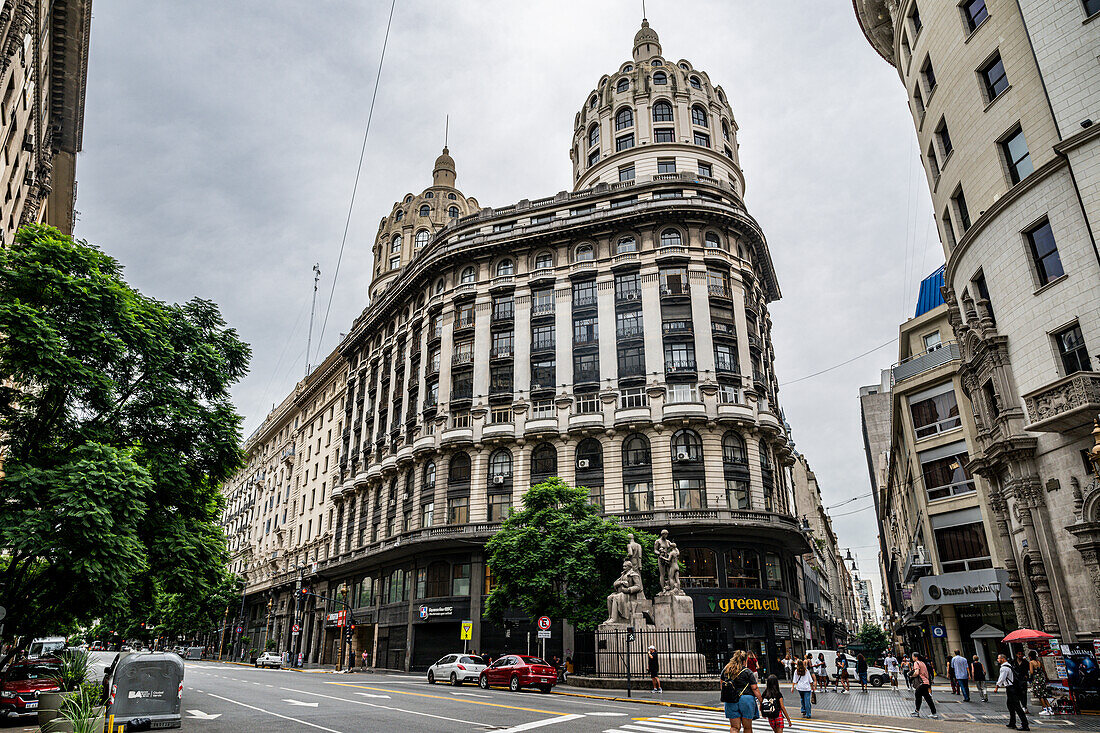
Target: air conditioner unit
x,y
582,463
406,496
633,295
682,456
498,479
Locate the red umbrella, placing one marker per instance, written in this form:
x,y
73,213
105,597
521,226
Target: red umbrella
x,y
1020,635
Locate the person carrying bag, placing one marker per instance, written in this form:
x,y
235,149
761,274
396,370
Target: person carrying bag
x,y
740,693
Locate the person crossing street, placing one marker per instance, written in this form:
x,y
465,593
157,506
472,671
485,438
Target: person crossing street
x,y
960,671
1008,679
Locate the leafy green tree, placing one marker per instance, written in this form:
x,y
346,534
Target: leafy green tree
x,y
873,638
558,557
117,428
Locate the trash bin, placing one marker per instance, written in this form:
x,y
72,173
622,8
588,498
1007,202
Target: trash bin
x,y
145,691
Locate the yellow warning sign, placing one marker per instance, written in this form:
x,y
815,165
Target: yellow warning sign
x,y
467,631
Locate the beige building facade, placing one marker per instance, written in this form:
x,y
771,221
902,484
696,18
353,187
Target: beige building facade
x,y
43,76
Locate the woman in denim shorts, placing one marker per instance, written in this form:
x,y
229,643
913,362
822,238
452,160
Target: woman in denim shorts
x,y
740,693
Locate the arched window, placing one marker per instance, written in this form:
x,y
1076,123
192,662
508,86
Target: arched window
x,y
506,267
694,81
657,62
421,238
671,238
662,112
728,152
458,471
725,130
592,102
408,485
408,198
733,449
440,285
429,195
713,241
624,118
721,96
452,197
765,457
429,475
425,210
625,245
742,568
589,455
636,451
593,135
660,77
453,212
544,260
687,446
544,460
500,463
584,253
395,245
699,116
469,275
628,68
399,215
623,85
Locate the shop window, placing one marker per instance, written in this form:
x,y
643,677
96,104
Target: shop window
x,y
698,568
773,572
742,569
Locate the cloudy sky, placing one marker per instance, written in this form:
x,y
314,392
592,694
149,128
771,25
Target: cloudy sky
x,y
221,141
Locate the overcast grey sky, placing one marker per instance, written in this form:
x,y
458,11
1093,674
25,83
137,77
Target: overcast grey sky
x,y
221,140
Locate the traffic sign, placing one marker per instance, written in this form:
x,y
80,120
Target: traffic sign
x,y
939,632
467,632
240,629
296,628
544,623
544,633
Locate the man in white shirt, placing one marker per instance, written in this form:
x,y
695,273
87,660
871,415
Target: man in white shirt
x,y
1007,679
891,663
961,669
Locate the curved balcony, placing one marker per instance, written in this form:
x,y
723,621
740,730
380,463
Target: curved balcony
x,y
502,281
767,522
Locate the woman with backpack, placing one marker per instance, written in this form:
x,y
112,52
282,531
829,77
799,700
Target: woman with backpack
x,y
740,692
803,684
771,705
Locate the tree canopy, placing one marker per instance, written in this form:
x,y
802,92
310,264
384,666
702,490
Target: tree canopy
x,y
117,428
873,638
558,557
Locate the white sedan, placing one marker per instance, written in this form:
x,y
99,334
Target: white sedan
x,y
269,659
456,669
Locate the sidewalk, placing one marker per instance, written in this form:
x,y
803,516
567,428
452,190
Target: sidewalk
x,y
878,702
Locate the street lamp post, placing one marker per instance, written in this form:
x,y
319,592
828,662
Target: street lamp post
x,y
996,586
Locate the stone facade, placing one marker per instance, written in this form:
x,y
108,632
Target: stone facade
x,y
43,76
1015,184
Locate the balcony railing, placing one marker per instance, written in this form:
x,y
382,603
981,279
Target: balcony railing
x,y
676,327
542,344
580,301
463,357
672,291
720,291
501,352
940,426
464,322
1067,404
675,366
542,309
627,332
921,363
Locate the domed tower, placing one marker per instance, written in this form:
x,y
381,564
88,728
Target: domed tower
x,y
414,221
654,116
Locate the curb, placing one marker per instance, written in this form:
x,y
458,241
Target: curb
x,y
643,701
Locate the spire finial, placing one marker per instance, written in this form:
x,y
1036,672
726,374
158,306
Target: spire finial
x,y
446,130
643,10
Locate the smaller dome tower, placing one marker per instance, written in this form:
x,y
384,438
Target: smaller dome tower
x,y
646,43
414,220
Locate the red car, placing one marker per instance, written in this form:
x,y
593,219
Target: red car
x,y
22,682
517,671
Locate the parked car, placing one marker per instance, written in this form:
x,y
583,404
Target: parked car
x,y
269,659
22,682
45,646
518,671
877,676
456,669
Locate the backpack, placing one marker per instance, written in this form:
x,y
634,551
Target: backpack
x,y
769,707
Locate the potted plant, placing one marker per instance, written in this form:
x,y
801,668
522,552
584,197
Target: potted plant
x,y
81,712
73,673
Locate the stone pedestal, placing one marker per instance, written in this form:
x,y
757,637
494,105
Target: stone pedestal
x,y
673,612
676,647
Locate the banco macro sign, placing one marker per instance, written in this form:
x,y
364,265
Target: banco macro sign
x,y
743,605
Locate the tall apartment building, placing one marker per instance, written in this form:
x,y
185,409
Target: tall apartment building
x,y
1004,96
941,566
616,336
43,75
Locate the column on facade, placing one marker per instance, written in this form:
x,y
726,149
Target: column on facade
x,y
563,339
741,324
483,312
521,470
522,350
714,468
567,454
651,326
752,438
446,350
479,480
660,451
614,501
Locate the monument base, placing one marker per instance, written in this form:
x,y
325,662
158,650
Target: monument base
x,y
676,650
673,612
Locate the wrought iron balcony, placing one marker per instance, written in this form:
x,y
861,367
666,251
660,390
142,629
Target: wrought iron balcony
x,y
925,362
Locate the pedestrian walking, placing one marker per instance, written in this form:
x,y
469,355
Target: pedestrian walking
x,y
861,672
654,668
804,685
753,663
1038,680
960,672
771,705
1007,679
788,666
951,678
822,669
907,672
977,673
891,664
740,693
842,672
922,678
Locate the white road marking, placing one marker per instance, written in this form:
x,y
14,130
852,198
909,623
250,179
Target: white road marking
x,y
269,685
299,702
469,694
370,694
277,715
694,721
384,707
200,715
540,723
598,712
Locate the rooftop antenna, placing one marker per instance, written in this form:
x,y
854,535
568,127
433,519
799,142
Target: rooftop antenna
x,y
643,9
312,313
446,130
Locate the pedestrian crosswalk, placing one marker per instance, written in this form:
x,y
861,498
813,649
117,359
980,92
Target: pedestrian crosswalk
x,y
699,721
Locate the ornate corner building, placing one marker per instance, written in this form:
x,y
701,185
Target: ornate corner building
x,y
1003,95
43,76
616,336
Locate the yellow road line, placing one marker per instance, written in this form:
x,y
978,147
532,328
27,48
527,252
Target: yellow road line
x,y
452,699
